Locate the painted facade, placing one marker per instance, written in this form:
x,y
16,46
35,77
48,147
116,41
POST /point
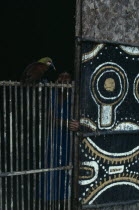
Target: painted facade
x,y
109,171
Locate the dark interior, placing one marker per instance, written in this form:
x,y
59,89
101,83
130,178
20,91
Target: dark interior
x,y
32,30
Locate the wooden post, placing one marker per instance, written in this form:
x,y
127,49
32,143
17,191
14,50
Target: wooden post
x,y
78,33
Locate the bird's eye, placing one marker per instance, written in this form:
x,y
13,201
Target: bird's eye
x,y
48,63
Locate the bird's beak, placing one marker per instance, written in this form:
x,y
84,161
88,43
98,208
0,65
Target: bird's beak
x,y
52,66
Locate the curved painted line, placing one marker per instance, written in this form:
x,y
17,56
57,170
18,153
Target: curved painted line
x,y
111,64
94,165
104,157
130,50
86,168
112,185
126,126
90,87
109,98
88,123
136,95
112,154
92,54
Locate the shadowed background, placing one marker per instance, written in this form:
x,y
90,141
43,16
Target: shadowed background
x,y
29,31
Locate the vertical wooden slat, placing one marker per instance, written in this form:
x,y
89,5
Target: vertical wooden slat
x,y
71,151
40,139
66,145
51,144
56,146
48,150
17,146
28,143
60,148
54,142
11,142
45,142
1,206
34,143
22,146
5,141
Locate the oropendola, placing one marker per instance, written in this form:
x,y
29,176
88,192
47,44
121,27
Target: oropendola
x,y
38,71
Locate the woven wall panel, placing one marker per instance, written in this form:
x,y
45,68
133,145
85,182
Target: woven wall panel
x,y
109,20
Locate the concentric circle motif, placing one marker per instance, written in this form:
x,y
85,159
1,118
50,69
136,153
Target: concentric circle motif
x,y
109,84
109,87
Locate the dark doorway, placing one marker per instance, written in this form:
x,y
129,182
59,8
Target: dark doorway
x,y
30,31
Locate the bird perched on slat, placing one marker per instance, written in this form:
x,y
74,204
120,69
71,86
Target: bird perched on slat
x,y
38,71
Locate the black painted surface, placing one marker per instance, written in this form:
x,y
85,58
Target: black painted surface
x,y
105,150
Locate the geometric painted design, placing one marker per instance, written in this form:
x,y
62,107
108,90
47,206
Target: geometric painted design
x,y
86,122
109,87
109,101
106,170
110,79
